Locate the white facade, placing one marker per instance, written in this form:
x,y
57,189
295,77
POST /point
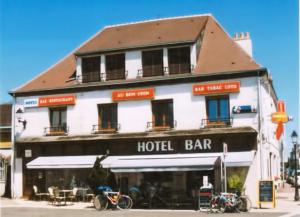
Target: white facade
x,y
189,110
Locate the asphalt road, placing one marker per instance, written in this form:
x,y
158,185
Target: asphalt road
x,y
39,212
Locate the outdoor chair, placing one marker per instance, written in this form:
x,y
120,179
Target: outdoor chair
x,y
57,197
73,195
89,197
51,195
38,194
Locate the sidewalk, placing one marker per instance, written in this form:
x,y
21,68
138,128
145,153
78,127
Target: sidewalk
x,y
284,202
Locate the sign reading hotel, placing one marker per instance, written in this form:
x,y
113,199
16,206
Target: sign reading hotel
x,y
215,88
57,100
135,94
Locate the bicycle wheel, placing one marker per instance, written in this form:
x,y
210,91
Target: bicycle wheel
x,y
100,202
125,202
244,204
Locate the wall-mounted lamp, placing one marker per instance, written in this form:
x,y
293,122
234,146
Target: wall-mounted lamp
x,y
19,113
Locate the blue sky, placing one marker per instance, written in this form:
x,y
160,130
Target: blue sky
x,y
34,34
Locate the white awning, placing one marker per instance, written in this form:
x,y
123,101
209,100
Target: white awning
x,y
63,162
239,159
163,162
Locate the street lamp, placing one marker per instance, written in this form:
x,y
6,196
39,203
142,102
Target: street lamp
x,y
295,143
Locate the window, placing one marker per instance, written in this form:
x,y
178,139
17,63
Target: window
x,y
217,109
58,120
115,66
152,63
2,169
108,117
162,111
179,60
91,69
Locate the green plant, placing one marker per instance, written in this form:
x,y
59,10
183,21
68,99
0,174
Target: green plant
x,y
235,182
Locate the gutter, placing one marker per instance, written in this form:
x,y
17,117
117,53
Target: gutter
x,y
189,78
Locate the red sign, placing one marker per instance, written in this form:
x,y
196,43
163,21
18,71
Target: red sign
x,y
136,94
57,100
214,88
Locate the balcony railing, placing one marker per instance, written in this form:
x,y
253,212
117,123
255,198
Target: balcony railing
x,y
117,74
109,128
56,131
150,71
175,69
217,122
90,77
167,126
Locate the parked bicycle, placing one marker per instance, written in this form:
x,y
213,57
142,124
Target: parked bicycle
x,y
108,198
230,202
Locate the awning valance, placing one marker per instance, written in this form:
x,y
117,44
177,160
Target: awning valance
x,y
163,162
63,162
239,159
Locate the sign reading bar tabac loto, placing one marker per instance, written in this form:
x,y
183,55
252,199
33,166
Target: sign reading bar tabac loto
x,y
57,100
135,94
215,88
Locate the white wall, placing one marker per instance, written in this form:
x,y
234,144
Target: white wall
x,y
189,110
133,63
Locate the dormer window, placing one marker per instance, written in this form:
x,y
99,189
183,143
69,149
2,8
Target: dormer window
x,y
152,63
91,69
179,60
115,66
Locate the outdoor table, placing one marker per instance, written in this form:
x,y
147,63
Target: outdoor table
x,y
82,192
65,192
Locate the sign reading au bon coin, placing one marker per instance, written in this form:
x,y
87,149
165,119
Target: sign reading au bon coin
x,y
50,101
215,88
133,94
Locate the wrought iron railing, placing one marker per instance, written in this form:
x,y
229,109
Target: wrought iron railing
x,y
89,77
150,71
165,126
117,74
217,122
107,128
174,69
56,131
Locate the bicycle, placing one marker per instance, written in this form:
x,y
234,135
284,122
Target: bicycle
x,y
115,199
230,202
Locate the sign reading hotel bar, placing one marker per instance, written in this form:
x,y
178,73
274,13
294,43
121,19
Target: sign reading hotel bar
x,y
135,94
216,88
50,101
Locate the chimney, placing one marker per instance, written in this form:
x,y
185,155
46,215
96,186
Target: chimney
x,y
244,40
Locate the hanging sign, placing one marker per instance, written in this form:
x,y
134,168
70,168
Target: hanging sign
x,y
57,100
135,94
215,88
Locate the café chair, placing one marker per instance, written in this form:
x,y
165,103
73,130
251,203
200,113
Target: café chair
x,y
38,194
73,195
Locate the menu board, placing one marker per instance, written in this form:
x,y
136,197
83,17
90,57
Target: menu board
x,y
266,191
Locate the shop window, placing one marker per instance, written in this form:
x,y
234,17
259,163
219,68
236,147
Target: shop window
x,y
115,66
179,60
152,63
58,121
217,109
91,69
2,169
162,114
107,118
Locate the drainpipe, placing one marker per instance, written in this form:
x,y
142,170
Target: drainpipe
x,y
259,123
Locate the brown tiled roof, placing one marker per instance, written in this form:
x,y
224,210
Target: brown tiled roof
x,y
5,114
218,53
146,34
